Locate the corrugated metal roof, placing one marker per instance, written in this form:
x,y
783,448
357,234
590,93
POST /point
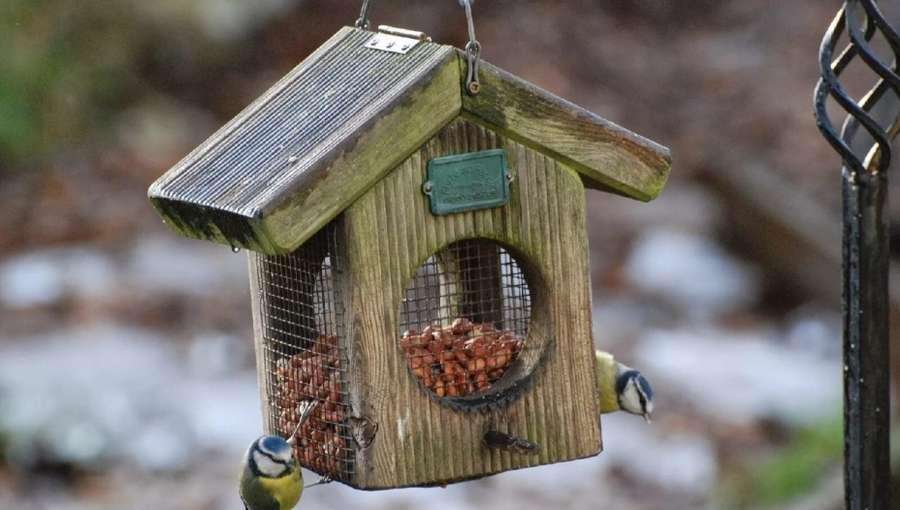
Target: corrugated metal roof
x,y
278,143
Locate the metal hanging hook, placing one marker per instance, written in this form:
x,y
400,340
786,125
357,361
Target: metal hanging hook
x,y
473,52
473,47
363,20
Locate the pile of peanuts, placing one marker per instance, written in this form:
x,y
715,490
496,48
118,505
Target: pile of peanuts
x,y
460,359
313,375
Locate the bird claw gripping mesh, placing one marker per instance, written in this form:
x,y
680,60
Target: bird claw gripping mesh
x,y
862,20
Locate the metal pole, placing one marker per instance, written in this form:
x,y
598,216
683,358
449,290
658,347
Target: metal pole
x,y
866,361
867,474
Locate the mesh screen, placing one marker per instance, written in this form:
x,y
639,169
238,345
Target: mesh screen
x,y
464,318
302,322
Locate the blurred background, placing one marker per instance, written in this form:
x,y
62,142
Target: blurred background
x,y
126,361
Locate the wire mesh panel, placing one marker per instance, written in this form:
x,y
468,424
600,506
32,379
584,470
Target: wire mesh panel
x,y
301,324
464,318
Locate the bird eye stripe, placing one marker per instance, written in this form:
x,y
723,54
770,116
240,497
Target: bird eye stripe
x,y
255,468
268,456
644,385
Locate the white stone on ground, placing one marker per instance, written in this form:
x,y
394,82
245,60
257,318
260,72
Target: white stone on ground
x,y
41,278
691,273
101,394
167,264
741,377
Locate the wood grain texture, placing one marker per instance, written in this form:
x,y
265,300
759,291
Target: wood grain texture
x,y
607,156
322,126
262,359
390,232
346,116
367,156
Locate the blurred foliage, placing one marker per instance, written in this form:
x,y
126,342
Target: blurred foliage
x,y
66,67
69,68
791,471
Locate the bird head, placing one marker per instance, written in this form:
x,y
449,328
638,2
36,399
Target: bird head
x,y
634,393
271,457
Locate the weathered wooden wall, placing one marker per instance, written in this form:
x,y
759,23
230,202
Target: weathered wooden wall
x,y
387,234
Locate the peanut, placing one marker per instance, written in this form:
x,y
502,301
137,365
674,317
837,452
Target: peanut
x,y
305,375
503,357
477,365
421,341
452,367
477,347
447,341
461,326
435,348
461,358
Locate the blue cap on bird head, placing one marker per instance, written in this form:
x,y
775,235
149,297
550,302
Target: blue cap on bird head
x,y
275,446
634,393
645,386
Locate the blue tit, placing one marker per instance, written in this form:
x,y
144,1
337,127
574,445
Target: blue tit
x,y
622,388
271,477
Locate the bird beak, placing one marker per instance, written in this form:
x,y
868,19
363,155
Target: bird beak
x,y
647,418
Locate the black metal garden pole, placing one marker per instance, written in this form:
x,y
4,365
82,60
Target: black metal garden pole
x,y
866,360
867,474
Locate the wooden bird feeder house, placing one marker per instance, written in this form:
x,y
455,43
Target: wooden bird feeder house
x,y
418,257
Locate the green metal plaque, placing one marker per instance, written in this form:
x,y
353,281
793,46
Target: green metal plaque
x,y
467,182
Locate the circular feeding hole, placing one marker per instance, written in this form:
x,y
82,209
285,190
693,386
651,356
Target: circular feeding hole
x,y
464,318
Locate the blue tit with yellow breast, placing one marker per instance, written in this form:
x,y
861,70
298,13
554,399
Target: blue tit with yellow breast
x,y
271,477
622,388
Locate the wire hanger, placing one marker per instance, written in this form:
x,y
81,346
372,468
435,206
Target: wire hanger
x,y
473,47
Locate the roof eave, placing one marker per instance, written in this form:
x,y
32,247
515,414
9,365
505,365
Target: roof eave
x,y
364,152
212,224
364,158
607,156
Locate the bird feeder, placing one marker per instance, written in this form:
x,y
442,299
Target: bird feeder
x,y
418,257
